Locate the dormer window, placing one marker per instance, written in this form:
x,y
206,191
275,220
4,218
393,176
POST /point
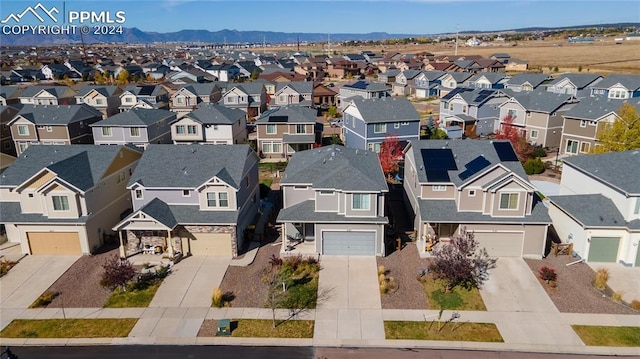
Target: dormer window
x,y
360,201
60,203
138,194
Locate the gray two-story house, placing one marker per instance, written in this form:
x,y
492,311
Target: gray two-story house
x,y
427,83
191,199
362,89
250,97
293,93
475,110
138,126
211,124
527,82
578,85
333,203
617,87
144,96
285,130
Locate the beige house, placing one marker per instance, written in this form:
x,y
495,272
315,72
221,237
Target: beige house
x,y
285,130
65,199
105,99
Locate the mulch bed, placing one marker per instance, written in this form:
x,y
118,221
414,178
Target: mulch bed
x,y
79,286
403,266
575,292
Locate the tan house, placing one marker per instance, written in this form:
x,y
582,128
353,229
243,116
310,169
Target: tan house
x,y
47,95
188,97
479,185
285,130
53,125
7,113
65,199
105,99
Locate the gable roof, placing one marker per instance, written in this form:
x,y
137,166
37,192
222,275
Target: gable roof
x,y
590,210
630,82
301,87
189,166
144,90
593,108
337,167
386,109
411,73
619,170
214,114
460,77
135,117
201,90
540,101
288,114
250,88
433,74
57,114
534,80
579,80
106,91
492,77
367,86
83,166
57,91
473,96
10,91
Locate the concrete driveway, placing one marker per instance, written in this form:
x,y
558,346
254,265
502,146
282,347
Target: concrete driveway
x,y
352,307
31,277
191,282
622,279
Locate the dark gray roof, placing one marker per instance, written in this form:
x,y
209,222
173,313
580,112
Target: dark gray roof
x,y
473,96
104,90
304,212
593,108
10,91
189,166
336,167
144,90
171,216
12,213
621,170
57,91
492,77
138,117
579,80
434,74
386,109
461,76
446,211
391,72
410,73
464,152
250,88
540,101
213,114
58,114
201,90
534,80
367,86
590,210
631,82
289,114
302,87
83,166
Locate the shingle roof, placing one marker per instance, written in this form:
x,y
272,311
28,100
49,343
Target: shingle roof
x,y
410,74
189,166
11,91
472,96
250,88
57,91
434,75
209,113
618,169
446,211
201,90
579,80
81,165
591,210
367,86
593,108
289,114
144,90
461,76
386,109
492,77
12,213
136,117
57,114
304,212
106,91
540,101
533,79
171,216
302,87
336,167
631,82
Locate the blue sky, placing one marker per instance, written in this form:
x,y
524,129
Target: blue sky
x,y
406,17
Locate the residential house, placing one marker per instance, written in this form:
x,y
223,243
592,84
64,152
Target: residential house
x,y
488,80
191,199
285,130
105,99
516,65
144,96
186,98
475,110
53,125
366,123
342,68
138,126
333,203
250,97
582,122
47,95
405,83
452,80
617,87
427,83
468,66
388,77
191,76
476,185
7,113
598,208
324,97
65,199
293,93
363,89
9,95
6,160
538,115
490,65
224,72
578,85
58,72
527,82
211,124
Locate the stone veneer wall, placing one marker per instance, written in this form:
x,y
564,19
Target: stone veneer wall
x,y
217,229
136,239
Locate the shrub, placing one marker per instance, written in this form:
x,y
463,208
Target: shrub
x,y
117,272
275,261
381,270
533,166
539,151
635,304
548,274
162,272
602,276
5,266
217,298
617,296
44,299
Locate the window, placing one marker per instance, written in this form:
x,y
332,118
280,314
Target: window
x,y
534,133
186,193
513,113
180,130
180,100
60,203
636,210
23,130
99,101
135,131
138,194
405,123
396,125
231,99
508,201
438,188
22,147
220,199
360,201
215,127
583,123
49,129
192,129
272,129
375,147
585,147
572,146
450,107
271,147
128,100
380,128
248,181
330,193
472,193
212,200
301,128
464,108
223,199
106,131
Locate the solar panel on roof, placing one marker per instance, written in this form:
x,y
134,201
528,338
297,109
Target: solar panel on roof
x,y
505,151
437,162
359,85
474,166
278,118
146,90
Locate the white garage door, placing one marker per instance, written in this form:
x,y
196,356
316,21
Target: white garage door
x,y
349,243
210,244
501,244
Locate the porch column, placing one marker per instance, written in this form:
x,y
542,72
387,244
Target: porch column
x,y
169,243
123,252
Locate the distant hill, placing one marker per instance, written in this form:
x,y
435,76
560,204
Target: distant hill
x,y
137,36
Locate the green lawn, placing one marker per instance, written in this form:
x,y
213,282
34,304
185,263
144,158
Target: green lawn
x,y
608,336
260,328
456,331
132,298
69,328
459,298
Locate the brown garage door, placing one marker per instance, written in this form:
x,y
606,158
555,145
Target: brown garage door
x,y
218,244
54,242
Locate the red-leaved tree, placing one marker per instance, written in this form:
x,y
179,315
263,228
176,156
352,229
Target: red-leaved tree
x,y
390,155
508,131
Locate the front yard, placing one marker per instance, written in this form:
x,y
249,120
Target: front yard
x,y
69,328
452,331
609,336
260,328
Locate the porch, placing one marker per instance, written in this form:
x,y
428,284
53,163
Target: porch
x,y
150,245
434,234
298,239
